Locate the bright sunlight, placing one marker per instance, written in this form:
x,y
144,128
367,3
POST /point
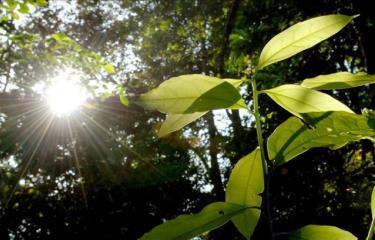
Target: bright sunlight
x,y
65,94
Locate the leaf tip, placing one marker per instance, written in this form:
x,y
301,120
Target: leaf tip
x,y
162,134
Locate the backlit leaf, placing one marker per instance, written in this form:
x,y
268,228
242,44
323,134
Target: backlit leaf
x,y
174,122
192,93
340,80
245,184
15,16
109,68
329,129
321,232
188,226
42,2
301,36
235,82
298,100
61,37
23,8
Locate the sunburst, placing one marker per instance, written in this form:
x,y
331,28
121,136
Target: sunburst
x,y
65,94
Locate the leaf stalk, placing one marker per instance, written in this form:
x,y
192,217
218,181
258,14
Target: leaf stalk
x,y
266,174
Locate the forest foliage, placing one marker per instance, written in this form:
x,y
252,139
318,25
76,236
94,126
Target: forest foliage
x,y
226,76
327,122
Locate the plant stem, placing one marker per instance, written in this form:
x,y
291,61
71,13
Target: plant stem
x,y
371,231
259,127
266,196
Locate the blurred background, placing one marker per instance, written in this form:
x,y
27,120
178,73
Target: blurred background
x,y
75,163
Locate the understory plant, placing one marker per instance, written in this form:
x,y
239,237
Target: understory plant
x,y
318,120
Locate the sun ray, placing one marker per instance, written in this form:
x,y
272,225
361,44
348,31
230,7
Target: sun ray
x,y
31,109
26,133
29,130
76,161
136,154
55,111
25,167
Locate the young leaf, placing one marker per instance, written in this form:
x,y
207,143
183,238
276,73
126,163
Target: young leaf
x,y
298,100
109,68
340,80
192,93
23,8
245,184
174,122
188,226
329,129
320,232
61,37
301,36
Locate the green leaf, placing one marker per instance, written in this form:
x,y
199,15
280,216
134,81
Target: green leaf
x,y
23,8
235,82
109,68
164,25
122,94
298,100
192,93
245,184
175,122
301,36
340,80
11,4
329,129
373,202
42,2
15,16
188,226
3,19
321,232
61,37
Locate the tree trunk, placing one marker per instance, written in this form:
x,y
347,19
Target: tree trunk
x,y
215,175
366,39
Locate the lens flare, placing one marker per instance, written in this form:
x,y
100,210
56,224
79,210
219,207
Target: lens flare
x,y
65,95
